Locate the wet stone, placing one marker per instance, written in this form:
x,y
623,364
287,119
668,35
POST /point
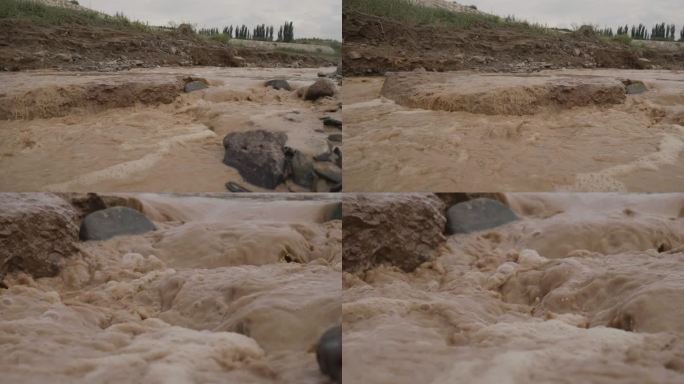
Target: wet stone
x,y
329,354
302,169
195,86
258,156
478,215
636,88
329,171
278,84
112,222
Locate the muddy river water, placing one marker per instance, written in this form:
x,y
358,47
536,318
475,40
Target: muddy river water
x,y
564,130
209,297
584,288
67,131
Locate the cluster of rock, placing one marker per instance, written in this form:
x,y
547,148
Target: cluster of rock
x,y
39,230
263,158
407,230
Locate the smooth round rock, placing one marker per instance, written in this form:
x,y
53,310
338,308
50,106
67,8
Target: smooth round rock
x,y
329,354
112,222
478,215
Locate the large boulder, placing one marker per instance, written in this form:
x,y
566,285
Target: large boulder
x,y
115,221
329,353
478,215
404,230
321,88
37,230
258,155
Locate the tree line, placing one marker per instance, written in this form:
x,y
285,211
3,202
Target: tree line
x,y
261,32
662,31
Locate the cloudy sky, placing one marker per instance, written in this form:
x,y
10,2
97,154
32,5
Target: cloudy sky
x,y
312,18
566,13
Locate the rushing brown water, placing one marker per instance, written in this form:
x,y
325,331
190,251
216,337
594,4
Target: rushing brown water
x,y
584,288
175,147
475,132
206,298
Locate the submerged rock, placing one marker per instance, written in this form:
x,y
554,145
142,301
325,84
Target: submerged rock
x,y
329,353
37,231
195,86
321,88
258,156
278,84
404,230
635,88
112,222
478,215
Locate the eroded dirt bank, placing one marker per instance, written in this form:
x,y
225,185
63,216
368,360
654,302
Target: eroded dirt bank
x,y
74,47
374,45
569,130
139,131
226,289
582,288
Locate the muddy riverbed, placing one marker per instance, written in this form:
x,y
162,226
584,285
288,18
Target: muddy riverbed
x,y
138,131
225,289
583,288
564,130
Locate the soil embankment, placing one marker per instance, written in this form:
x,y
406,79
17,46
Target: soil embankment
x,y
375,45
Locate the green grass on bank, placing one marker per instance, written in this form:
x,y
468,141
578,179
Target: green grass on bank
x,y
407,12
52,15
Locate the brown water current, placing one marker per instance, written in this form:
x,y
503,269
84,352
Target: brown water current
x,y
135,131
227,289
564,130
584,288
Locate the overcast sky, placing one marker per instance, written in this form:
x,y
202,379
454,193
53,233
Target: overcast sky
x,y
565,13
312,18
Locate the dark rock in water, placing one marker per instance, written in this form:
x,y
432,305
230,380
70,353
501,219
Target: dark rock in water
x,y
195,86
3,285
329,121
116,221
37,231
636,88
478,215
336,137
302,169
335,213
258,155
321,88
278,84
329,171
236,188
329,354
